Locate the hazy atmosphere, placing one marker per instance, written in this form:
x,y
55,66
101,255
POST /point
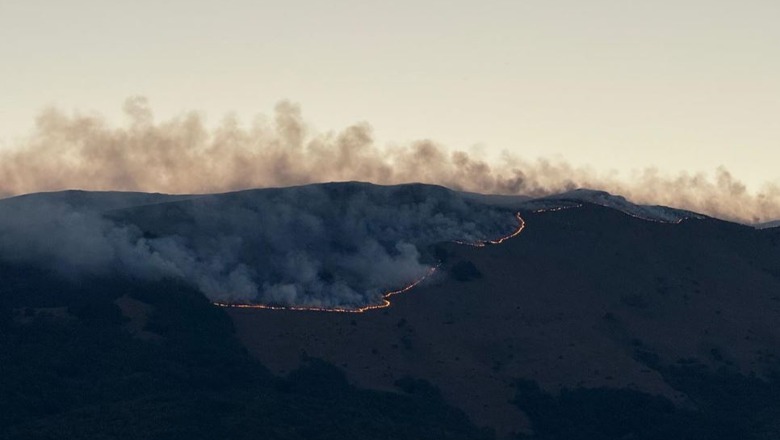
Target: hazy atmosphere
x,y
629,95
429,219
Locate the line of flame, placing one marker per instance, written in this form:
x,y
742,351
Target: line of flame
x,y
483,243
385,301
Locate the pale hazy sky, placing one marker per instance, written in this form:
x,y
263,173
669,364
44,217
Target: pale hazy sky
x,y
681,85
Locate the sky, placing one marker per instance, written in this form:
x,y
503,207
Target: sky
x,y
682,85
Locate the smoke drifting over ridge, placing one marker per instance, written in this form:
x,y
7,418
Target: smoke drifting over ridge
x,y
183,156
328,245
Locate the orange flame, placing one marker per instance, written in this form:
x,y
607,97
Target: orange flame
x,y
385,301
483,243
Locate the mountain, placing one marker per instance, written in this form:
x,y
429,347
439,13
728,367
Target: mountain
x,y
591,317
585,300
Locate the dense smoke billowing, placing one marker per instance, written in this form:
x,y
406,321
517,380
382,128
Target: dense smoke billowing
x,y
332,245
183,156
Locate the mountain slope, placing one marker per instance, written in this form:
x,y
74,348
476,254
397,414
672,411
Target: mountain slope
x,y
583,298
600,320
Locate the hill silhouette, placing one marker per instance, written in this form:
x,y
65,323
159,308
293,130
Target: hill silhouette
x,y
593,323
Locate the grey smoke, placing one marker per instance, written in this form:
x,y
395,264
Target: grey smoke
x,y
331,245
182,156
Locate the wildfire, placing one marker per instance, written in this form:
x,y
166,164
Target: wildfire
x,y
483,243
386,297
515,233
385,301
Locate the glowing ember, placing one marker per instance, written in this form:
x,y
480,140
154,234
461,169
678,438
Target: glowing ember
x,y
624,211
386,297
668,222
557,208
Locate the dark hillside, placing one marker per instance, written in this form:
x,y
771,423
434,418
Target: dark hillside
x,y
585,299
592,323
74,367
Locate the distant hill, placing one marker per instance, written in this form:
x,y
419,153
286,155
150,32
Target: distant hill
x,y
93,201
601,319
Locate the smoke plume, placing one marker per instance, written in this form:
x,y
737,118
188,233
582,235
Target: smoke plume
x,y
182,156
330,245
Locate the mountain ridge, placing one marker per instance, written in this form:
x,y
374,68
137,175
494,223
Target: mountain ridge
x,y
102,200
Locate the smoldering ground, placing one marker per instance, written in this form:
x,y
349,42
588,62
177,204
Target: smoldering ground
x,y
330,245
182,156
